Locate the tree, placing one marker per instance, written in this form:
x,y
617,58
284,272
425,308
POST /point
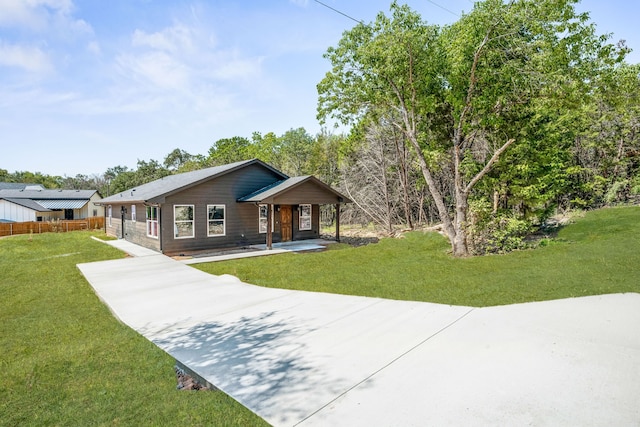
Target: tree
x,y
229,150
464,94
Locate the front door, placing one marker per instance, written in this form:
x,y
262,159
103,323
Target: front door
x,y
286,223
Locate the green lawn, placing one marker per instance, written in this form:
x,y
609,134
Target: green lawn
x,y
66,361
598,254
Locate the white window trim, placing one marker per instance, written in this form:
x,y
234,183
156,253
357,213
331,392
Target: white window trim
x,y
109,214
133,213
260,219
152,221
300,217
192,221
224,221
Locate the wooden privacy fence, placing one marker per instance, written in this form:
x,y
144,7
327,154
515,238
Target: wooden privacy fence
x,y
55,226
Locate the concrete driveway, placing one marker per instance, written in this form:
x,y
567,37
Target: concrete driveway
x,y
313,359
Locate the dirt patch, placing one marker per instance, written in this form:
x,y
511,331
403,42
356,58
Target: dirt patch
x,y
187,382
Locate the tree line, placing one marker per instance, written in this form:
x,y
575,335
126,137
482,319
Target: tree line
x,y
488,126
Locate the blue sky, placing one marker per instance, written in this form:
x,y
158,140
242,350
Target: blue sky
x,y
86,85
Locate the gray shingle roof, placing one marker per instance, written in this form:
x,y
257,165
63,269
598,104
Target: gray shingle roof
x,y
48,194
273,189
279,188
17,186
154,191
27,203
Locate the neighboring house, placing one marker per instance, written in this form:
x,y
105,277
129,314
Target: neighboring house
x,y
19,186
34,203
231,205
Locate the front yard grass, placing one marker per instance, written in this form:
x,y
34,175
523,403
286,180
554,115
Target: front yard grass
x,y
66,361
598,254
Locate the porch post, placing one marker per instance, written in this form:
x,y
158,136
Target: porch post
x,y
269,231
337,222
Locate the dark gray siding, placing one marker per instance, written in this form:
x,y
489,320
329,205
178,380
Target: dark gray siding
x,y
134,231
241,218
314,233
307,192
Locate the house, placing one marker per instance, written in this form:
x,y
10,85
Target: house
x,y
247,202
23,203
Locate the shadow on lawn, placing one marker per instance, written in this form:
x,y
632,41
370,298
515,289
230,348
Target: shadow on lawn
x,y
258,361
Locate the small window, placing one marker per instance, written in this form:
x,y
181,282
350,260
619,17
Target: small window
x,y
183,223
109,214
152,221
95,212
305,217
133,213
216,220
262,218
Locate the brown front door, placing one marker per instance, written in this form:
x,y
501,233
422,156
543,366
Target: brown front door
x,y
286,223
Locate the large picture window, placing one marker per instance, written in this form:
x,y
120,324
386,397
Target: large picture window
x,y
152,221
305,217
217,226
183,221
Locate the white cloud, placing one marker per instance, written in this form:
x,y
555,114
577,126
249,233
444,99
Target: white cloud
x,y
43,16
29,58
94,47
157,68
174,39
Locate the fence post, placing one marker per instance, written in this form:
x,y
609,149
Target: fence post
x,y
10,229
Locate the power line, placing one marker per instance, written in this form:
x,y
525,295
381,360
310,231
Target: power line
x,y
341,13
444,8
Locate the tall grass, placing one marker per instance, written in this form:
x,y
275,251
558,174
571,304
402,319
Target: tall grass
x,y
598,254
65,360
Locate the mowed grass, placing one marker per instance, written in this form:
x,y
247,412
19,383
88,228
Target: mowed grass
x,y
598,254
66,361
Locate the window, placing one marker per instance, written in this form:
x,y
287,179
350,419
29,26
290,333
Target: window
x,y
152,221
305,217
262,219
216,220
95,212
183,227
109,214
133,213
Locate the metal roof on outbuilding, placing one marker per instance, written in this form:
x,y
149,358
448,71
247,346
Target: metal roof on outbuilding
x,y
62,203
27,203
48,194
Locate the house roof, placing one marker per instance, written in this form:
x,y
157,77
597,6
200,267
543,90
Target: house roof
x,y
27,203
43,200
62,203
18,186
271,192
156,191
48,194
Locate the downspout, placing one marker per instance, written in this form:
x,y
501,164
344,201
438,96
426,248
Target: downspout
x,y
122,211
160,227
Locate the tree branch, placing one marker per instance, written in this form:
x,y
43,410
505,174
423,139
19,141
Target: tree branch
x,y
488,166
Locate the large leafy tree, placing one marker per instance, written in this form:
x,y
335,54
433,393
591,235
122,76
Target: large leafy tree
x,y
464,94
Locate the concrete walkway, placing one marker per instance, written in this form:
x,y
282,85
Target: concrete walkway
x,y
311,359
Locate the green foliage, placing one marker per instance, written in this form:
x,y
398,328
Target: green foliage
x,y
516,76
598,254
495,232
65,358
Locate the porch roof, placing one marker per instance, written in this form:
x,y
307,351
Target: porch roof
x,y
296,190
